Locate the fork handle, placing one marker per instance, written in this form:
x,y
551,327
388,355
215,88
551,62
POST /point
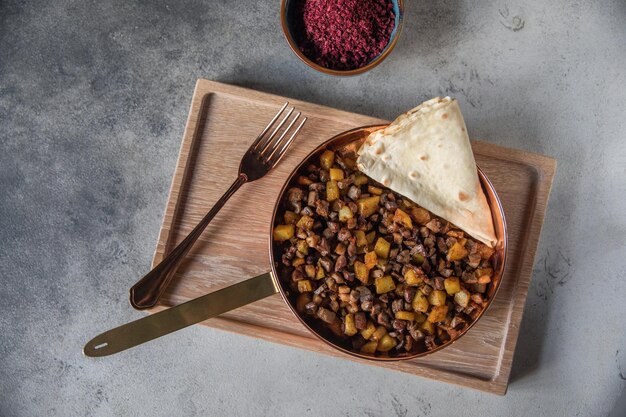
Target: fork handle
x,y
147,291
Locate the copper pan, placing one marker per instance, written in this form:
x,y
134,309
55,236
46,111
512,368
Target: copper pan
x,y
346,143
265,285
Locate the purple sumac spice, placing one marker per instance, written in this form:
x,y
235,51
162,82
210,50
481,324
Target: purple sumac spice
x,y
345,34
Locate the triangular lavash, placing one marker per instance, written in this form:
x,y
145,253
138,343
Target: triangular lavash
x,y
425,155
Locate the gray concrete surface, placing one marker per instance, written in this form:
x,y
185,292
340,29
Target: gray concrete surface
x,y
93,101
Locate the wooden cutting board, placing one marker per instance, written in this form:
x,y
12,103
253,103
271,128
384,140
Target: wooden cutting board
x,y
222,122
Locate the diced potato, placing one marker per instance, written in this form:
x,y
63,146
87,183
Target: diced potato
x,y
437,298
309,270
462,298
374,190
407,204
361,272
361,240
457,252
312,240
452,285
319,273
327,159
284,232
420,317
302,180
379,333
382,248
345,214
438,313
349,327
368,331
368,205
421,215
384,284
455,233
290,217
336,174
302,247
371,259
485,279
306,222
359,179
369,347
340,249
386,343
400,290
297,262
428,327
412,278
405,315
402,218
305,285
420,302
370,237
483,271
332,190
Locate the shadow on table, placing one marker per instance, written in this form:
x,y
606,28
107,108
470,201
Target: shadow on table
x,y
429,28
527,357
620,406
518,124
553,271
494,125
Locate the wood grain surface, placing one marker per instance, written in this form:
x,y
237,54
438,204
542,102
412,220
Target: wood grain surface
x,y
222,122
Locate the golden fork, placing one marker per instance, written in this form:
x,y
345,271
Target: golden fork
x,y
263,155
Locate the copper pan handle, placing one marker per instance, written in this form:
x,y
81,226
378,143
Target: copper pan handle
x,y
191,312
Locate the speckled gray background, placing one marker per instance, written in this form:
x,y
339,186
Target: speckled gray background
x,y
93,101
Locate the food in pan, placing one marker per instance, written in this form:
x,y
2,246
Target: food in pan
x,y
370,265
425,155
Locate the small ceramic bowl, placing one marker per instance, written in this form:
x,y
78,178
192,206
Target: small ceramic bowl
x,y
288,19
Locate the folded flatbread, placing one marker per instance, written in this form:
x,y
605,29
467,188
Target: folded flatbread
x,y
425,155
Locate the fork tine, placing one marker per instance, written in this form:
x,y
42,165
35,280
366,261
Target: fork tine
x,y
274,160
266,143
269,125
276,143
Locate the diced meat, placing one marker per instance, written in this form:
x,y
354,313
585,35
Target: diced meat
x,y
360,321
397,305
398,324
343,235
354,192
340,263
326,315
434,225
384,319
